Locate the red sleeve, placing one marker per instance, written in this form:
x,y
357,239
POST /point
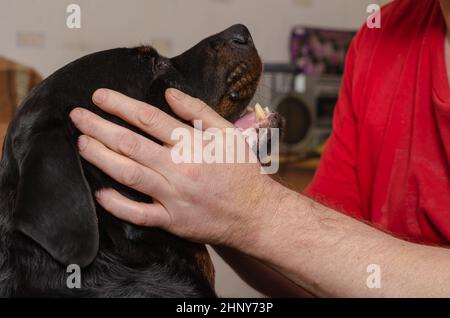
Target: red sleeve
x,y
335,183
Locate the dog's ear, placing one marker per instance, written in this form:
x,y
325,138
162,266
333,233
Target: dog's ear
x,y
54,205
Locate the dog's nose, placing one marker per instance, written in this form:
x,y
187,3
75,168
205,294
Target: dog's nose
x,y
238,36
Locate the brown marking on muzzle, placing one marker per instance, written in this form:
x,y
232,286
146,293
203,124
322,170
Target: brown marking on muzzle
x,y
242,83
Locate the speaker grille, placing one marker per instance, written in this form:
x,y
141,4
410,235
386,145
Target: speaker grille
x,y
298,119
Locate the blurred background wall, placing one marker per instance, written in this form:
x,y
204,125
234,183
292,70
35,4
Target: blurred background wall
x,y
34,32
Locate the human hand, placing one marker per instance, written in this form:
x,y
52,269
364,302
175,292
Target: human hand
x,y
214,203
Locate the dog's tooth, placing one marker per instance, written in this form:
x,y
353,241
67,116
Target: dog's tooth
x,y
267,110
250,109
259,112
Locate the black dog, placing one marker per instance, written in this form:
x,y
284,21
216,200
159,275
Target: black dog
x,y
48,218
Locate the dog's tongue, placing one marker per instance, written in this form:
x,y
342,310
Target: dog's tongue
x,y
246,121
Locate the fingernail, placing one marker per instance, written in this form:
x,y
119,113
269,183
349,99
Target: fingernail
x,y
82,142
76,114
178,95
99,96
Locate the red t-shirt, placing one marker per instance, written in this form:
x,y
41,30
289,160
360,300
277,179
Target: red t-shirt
x,y
387,160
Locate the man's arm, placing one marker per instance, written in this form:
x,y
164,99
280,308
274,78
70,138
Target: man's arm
x,y
329,253
320,249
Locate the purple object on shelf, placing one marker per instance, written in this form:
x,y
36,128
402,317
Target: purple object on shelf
x,y
319,51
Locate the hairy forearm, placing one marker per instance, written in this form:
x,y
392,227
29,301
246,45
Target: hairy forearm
x,y
328,253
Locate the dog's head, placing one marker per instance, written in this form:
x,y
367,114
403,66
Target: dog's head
x,y
222,70
54,205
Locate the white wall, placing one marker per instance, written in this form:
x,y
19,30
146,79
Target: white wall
x,y
174,25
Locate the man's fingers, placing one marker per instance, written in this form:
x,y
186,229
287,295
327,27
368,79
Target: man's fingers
x,y
119,139
148,118
191,109
143,214
122,169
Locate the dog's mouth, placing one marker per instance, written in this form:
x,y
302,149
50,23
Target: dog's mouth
x,y
242,86
242,83
258,117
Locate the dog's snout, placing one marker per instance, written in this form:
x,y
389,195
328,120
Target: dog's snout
x,y
238,36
